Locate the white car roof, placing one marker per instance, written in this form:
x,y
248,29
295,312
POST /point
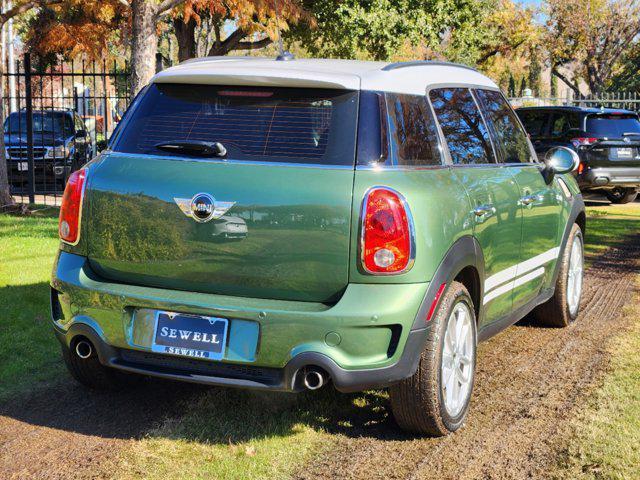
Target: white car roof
x,y
407,77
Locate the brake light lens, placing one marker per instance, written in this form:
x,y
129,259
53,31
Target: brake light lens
x,y
71,209
583,141
387,243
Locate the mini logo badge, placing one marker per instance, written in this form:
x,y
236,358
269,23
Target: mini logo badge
x,y
202,207
627,139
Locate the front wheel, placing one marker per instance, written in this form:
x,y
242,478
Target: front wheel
x,y
622,195
562,309
435,400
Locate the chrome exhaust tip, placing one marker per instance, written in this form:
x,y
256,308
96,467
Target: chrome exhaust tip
x,y
313,379
84,349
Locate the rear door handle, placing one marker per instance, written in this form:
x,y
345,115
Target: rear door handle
x,y
482,211
530,199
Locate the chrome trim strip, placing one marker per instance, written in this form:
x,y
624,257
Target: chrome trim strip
x,y
384,167
412,232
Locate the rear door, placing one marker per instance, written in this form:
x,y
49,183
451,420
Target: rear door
x,y
619,139
492,190
270,219
540,204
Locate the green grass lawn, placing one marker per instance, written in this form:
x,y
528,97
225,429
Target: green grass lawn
x,y
235,434
606,434
29,354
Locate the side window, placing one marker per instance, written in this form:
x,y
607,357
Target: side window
x,y
510,135
414,137
462,126
534,122
561,123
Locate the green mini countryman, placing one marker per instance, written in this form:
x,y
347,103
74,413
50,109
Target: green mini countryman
x,y
283,225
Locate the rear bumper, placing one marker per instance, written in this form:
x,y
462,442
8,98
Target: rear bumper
x,y
376,346
609,177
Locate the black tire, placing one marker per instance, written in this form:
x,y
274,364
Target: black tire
x,y
622,195
91,373
417,402
555,312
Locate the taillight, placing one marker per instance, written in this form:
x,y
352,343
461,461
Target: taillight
x,y
387,243
583,141
71,209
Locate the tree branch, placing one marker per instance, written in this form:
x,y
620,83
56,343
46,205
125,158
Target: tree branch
x,y
253,45
572,85
167,5
24,7
229,43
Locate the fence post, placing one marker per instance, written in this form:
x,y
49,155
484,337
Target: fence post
x,y
29,115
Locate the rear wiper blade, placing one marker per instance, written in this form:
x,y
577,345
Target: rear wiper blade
x,y
193,147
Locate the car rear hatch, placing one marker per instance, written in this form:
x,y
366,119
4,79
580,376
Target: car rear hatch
x,y
270,219
616,140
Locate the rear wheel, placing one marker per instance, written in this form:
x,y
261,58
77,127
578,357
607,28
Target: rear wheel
x,y
622,195
562,309
83,365
435,400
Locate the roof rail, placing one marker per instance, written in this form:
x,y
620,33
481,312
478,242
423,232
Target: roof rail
x,y
222,58
422,63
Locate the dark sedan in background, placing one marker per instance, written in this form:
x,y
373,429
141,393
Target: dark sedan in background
x,y
61,145
607,141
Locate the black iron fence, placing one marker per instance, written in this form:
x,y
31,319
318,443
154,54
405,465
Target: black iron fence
x,y
55,120
622,100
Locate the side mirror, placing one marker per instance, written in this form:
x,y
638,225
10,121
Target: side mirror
x,y
559,160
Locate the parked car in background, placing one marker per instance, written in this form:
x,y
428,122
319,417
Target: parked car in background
x,y
61,145
283,225
607,141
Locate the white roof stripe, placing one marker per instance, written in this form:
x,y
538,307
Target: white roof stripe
x,y
319,73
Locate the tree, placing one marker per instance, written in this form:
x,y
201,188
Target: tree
x,y
251,19
19,7
467,31
512,86
626,78
523,86
77,27
593,34
535,69
380,29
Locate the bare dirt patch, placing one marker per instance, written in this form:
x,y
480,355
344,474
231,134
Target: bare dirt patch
x,y
530,380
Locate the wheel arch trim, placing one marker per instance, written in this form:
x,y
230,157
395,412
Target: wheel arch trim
x,y
465,252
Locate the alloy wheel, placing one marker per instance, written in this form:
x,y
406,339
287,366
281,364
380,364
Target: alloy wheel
x,y
457,360
574,280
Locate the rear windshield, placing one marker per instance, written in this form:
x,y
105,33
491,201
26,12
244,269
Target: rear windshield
x,y
612,125
253,123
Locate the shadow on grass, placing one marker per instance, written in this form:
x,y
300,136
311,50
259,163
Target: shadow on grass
x,y
206,414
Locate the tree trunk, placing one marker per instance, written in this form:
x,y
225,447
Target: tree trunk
x,y
5,193
572,85
144,44
185,33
